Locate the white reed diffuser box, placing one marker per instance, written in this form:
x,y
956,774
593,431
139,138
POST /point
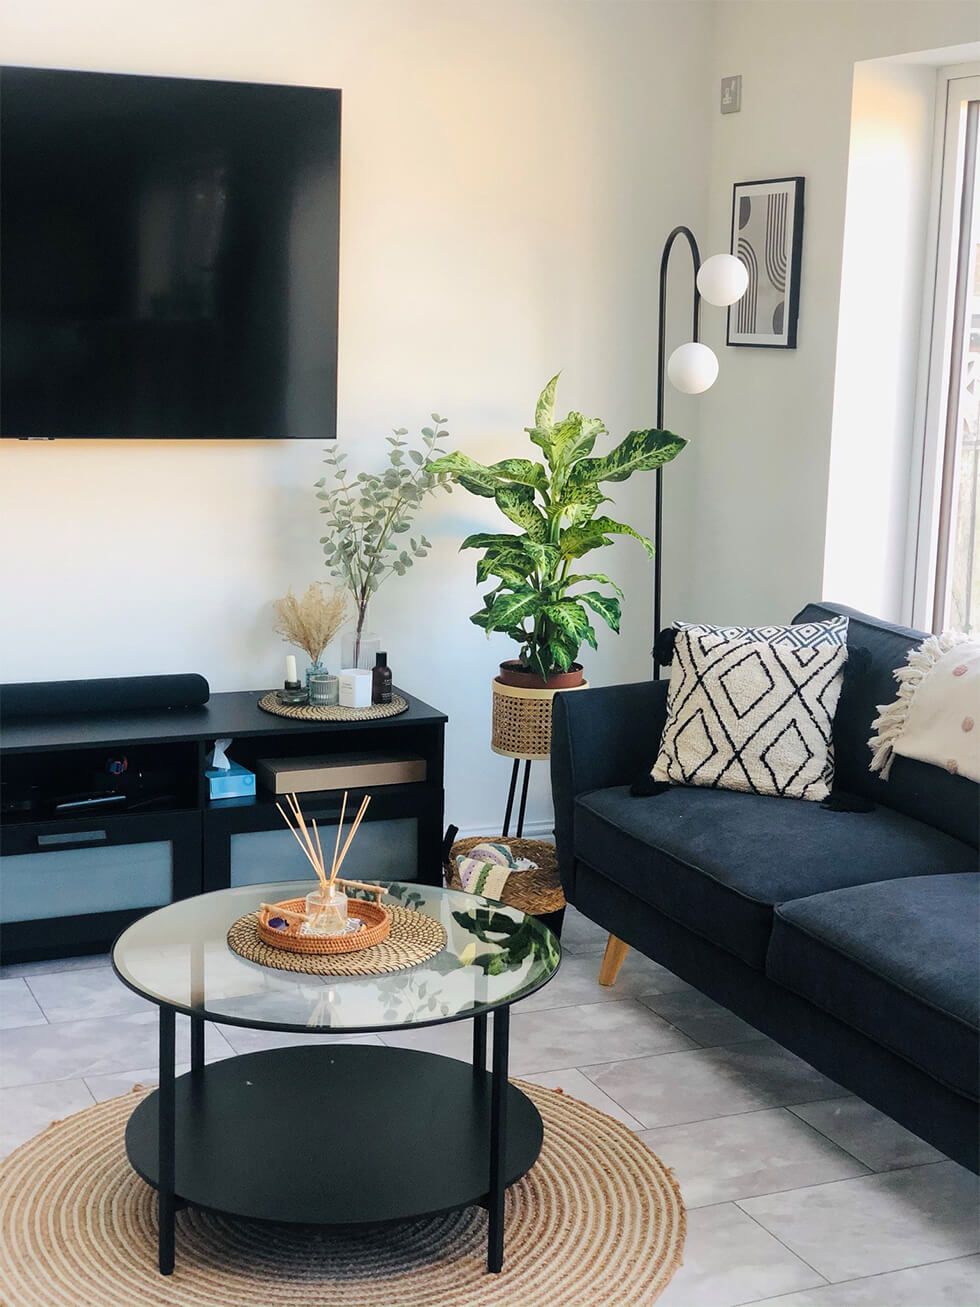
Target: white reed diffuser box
x,y
355,688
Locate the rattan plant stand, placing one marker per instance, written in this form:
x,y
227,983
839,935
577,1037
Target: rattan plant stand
x,y
521,729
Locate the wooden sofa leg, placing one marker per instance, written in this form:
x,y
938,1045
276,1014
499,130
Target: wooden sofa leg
x,y
612,960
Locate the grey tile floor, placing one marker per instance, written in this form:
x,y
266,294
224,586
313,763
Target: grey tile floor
x,y
798,1194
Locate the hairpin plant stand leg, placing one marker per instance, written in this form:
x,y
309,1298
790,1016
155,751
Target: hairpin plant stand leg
x,y
510,797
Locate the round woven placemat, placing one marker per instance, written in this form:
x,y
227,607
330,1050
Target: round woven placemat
x,y
306,712
413,938
537,892
597,1220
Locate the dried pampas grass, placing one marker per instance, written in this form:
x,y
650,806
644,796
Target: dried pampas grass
x,y
312,622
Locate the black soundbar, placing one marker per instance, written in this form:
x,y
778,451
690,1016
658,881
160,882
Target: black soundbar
x,y
116,694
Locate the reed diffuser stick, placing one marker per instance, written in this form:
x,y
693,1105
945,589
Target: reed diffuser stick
x,y
353,831
319,847
301,823
296,837
336,846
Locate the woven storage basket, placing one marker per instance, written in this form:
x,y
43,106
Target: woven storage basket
x,y
522,720
538,892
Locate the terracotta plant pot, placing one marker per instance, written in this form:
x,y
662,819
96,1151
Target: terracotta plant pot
x,y
515,673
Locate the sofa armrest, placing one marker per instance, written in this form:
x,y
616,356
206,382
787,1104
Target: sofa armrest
x,y
600,738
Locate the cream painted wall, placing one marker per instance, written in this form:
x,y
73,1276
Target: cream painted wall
x,y
763,454
510,170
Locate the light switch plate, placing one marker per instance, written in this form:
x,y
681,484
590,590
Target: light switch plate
x,y
731,94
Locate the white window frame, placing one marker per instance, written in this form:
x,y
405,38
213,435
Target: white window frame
x,y
956,86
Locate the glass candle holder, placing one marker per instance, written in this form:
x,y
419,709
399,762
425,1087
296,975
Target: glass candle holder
x,y
324,689
326,912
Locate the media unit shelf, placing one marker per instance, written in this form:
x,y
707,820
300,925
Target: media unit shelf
x,y
69,884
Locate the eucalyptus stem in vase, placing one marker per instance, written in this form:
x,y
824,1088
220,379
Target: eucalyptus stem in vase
x,y
367,511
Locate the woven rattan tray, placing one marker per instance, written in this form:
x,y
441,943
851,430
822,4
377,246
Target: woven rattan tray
x,y
306,712
376,928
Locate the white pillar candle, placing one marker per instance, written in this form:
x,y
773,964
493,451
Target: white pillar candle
x,y
291,668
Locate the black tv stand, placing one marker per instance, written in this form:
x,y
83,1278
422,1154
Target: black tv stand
x,y
69,884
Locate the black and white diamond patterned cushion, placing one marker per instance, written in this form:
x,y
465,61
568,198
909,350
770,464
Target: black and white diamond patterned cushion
x,y
751,715
802,636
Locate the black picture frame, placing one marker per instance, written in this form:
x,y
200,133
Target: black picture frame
x,y
779,259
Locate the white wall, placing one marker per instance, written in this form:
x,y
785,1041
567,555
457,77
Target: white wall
x,y
510,170
763,454
889,193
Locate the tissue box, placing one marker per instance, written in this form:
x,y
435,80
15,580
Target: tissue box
x,y
235,783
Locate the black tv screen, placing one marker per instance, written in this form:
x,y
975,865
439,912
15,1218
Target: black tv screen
x,y
168,257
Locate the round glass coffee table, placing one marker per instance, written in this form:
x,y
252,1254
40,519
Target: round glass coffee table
x,y
326,1132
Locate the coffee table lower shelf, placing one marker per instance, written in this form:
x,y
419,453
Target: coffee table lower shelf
x,y
335,1135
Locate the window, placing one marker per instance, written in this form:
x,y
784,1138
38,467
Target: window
x,y
947,564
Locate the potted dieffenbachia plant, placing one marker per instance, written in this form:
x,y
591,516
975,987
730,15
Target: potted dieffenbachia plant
x,y
540,595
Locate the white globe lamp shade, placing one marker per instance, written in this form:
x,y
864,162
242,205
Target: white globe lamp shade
x,y
692,368
722,279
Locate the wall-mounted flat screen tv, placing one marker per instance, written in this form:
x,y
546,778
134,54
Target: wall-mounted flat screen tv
x,y
168,257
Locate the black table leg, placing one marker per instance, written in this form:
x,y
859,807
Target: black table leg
x,y
520,814
166,1202
498,1135
197,1043
510,796
480,1043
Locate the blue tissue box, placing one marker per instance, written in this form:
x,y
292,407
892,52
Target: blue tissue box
x,y
235,783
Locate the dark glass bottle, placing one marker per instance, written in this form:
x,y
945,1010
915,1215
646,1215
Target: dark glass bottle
x,y
381,680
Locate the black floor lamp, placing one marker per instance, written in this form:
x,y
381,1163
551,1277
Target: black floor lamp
x,y
692,367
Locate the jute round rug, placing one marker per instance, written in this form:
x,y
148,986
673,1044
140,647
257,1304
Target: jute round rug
x,y
597,1221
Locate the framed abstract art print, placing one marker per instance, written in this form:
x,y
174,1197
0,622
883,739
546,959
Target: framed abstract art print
x,y
767,235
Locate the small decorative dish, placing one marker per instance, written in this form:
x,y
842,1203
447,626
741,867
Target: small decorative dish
x,y
290,917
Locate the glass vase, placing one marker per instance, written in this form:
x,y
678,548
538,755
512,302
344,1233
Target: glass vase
x,y
326,912
317,668
363,657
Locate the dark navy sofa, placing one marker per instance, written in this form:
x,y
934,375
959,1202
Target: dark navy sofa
x,y
851,937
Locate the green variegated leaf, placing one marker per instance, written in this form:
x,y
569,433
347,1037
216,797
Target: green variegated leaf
x,y
470,474
490,540
511,565
509,610
574,437
579,503
641,451
562,653
579,540
522,471
517,503
544,416
594,576
571,620
607,608
545,558
544,411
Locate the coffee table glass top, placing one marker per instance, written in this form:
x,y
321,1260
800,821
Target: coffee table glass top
x,y
179,956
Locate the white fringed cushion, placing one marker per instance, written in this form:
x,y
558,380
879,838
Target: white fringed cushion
x,y
751,716
936,717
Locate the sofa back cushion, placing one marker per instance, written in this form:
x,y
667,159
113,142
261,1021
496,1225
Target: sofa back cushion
x,y
930,794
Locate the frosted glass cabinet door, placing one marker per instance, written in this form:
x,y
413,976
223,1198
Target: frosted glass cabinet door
x,y
383,850
75,882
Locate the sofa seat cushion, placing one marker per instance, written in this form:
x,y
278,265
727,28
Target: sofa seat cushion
x,y
897,961
717,861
